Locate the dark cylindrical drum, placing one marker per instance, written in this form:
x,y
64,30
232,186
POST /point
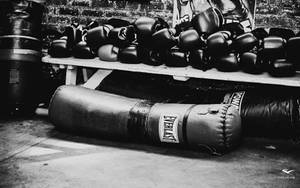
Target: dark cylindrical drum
x,y
20,56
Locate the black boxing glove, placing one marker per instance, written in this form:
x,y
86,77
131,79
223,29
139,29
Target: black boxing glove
x,y
129,55
82,51
74,35
150,56
272,48
281,32
58,49
199,60
250,63
117,22
218,44
292,51
176,58
98,36
226,63
145,27
281,68
260,33
164,39
189,40
206,22
244,43
234,28
108,52
122,36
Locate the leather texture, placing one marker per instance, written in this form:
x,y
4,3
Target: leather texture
x,y
266,115
146,26
82,51
98,36
218,44
189,40
129,55
244,43
74,108
58,48
250,63
164,39
206,22
292,51
226,63
108,52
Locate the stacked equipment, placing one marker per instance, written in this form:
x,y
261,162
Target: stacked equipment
x,y
20,55
204,44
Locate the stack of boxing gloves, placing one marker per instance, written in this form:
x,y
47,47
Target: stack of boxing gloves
x,y
204,43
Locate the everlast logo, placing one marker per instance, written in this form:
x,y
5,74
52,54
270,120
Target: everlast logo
x,y
235,99
168,128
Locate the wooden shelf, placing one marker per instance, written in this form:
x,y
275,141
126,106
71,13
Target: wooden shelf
x,y
178,73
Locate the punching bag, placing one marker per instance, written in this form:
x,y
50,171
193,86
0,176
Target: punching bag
x,y
20,55
214,126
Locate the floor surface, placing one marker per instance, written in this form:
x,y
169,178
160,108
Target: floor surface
x,y
34,154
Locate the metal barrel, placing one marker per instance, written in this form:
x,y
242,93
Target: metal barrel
x,y
20,56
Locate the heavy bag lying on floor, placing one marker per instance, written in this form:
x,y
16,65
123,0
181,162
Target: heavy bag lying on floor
x,y
216,126
266,115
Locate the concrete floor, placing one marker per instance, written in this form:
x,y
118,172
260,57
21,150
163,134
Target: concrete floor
x,y
34,154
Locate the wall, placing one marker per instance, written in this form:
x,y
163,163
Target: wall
x,y
270,13
62,12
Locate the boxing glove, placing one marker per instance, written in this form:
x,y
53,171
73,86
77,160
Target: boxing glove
x,y
129,55
218,44
250,63
234,28
176,58
117,22
97,37
122,36
145,27
226,63
108,52
265,114
74,35
216,127
260,33
58,49
281,32
164,39
82,51
189,40
244,43
292,51
281,68
206,22
198,59
272,48
151,57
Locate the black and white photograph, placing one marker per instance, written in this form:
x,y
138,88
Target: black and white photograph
x,y
149,93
